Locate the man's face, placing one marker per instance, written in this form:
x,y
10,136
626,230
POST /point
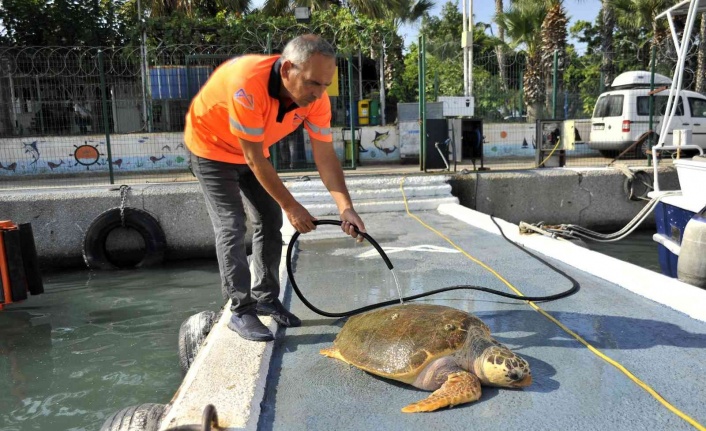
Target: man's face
x,y
308,81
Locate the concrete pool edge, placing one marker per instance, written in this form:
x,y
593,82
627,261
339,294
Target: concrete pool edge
x,y
659,288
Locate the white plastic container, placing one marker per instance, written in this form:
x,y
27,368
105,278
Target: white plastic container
x,y
692,177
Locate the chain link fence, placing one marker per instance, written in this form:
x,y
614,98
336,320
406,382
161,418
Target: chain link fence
x,y
77,115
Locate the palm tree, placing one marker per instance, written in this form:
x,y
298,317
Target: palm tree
x,y
523,26
608,17
642,14
701,62
500,49
370,8
554,35
166,8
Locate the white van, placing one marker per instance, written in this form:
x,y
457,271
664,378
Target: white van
x,y
622,114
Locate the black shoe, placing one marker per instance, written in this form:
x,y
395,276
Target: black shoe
x,y
279,313
248,326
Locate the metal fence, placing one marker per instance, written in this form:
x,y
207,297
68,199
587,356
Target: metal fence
x,y
97,115
76,115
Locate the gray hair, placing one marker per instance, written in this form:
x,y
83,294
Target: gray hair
x,y
301,48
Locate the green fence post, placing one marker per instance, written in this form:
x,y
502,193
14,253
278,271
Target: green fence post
x,y
422,103
555,80
104,103
39,99
522,92
351,107
274,150
420,91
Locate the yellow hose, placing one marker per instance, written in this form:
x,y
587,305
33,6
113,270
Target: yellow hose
x,y
594,350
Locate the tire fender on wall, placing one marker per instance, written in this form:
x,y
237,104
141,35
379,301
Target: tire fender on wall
x,y
192,334
144,417
94,241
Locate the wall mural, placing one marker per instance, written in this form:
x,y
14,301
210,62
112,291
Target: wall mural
x,y
158,151
76,154
378,145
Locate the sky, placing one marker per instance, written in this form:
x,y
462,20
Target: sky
x,y
483,11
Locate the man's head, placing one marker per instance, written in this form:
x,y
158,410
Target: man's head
x,y
308,66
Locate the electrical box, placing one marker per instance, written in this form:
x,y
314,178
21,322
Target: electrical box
x,y
681,137
460,106
550,139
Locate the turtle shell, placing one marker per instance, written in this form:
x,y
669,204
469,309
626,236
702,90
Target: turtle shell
x,y
399,342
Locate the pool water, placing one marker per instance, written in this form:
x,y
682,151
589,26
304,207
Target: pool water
x,y
638,249
97,342
100,341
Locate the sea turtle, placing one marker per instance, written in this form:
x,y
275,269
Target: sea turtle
x,y
430,347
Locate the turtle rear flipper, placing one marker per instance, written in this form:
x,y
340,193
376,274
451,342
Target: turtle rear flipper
x,y
332,352
459,388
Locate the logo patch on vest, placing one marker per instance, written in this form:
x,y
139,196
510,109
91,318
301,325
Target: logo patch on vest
x,y
244,99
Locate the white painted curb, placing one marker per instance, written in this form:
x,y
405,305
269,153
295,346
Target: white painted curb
x,y
673,293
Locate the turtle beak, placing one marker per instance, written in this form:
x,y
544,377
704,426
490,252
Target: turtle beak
x,y
520,379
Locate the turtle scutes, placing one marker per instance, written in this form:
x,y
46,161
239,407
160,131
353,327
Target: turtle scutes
x,y
430,347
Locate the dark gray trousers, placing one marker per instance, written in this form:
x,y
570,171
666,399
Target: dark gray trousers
x,y
230,190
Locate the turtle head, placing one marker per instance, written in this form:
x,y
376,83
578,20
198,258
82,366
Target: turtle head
x,y
499,366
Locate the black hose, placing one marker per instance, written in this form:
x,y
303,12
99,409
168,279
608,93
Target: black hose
x,y
575,285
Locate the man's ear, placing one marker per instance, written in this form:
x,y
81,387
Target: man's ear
x,y
286,69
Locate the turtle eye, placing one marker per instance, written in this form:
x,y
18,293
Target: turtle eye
x,y
449,327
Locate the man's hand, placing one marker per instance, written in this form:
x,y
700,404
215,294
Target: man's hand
x,y
350,220
300,218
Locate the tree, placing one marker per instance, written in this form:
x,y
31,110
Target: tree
x,y
554,35
61,22
500,49
641,14
607,29
701,62
522,25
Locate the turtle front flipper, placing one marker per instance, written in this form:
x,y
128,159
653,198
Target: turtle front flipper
x,y
460,387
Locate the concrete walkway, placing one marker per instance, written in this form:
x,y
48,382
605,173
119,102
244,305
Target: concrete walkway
x,y
646,334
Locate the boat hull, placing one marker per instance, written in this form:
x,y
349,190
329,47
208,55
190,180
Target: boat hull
x,y
671,221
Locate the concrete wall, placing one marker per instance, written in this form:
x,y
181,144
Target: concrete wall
x,y
60,218
593,198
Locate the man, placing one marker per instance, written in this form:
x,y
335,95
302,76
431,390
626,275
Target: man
x,y
248,104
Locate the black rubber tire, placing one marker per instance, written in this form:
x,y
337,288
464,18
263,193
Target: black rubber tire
x,y
145,417
638,187
609,153
94,250
192,333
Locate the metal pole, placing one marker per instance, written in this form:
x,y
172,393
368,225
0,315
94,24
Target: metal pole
x,y
423,101
143,69
420,92
13,110
651,105
351,107
554,82
360,75
382,85
39,99
470,48
464,44
274,154
104,100
522,92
